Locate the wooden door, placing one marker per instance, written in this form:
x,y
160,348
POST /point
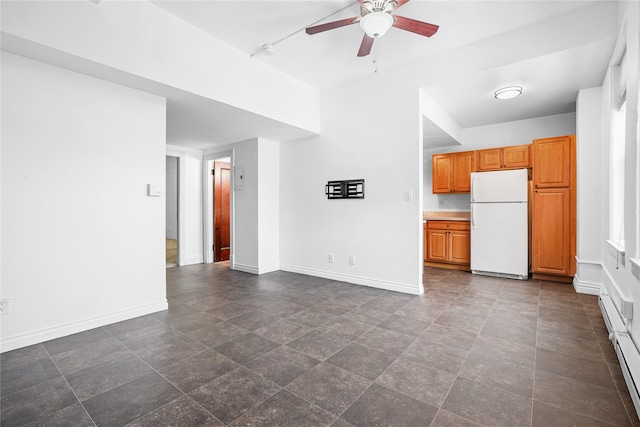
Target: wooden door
x,y
459,247
552,162
489,160
552,231
437,245
462,168
221,211
441,171
516,157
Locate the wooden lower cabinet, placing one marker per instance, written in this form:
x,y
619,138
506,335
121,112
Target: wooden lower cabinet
x,y
552,232
447,244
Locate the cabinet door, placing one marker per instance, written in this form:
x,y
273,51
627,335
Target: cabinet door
x,y
516,157
424,242
437,245
552,162
462,168
489,160
459,247
551,231
441,171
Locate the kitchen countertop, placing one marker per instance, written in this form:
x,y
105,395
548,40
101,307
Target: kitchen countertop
x,y
447,216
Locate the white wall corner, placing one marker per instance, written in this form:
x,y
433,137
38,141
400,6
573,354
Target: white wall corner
x,y
356,280
588,278
246,268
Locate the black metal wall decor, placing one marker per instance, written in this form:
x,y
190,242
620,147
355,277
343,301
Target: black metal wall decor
x,y
347,189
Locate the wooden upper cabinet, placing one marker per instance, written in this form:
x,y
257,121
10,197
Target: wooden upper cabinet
x,y
441,173
552,162
489,159
462,168
451,172
513,157
516,157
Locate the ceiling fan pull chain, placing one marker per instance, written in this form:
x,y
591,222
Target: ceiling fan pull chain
x,y
375,59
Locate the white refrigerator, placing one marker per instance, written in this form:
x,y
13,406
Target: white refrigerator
x,y
500,224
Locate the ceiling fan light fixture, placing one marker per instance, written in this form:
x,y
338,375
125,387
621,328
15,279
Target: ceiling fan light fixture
x,y
508,92
376,24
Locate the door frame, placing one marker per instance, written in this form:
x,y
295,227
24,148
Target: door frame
x,y
181,156
207,161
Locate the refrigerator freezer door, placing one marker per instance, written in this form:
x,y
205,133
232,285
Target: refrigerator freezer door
x,y
499,186
499,242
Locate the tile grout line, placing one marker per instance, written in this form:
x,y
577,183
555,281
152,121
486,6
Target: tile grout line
x,y
70,388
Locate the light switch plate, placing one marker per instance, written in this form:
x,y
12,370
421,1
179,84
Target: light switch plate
x,y
238,178
154,190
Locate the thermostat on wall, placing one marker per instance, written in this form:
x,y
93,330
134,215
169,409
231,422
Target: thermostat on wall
x,y
154,190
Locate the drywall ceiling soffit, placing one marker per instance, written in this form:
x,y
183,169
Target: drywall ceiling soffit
x,y
434,137
192,121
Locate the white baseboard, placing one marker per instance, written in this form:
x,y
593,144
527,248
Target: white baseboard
x,y
194,260
584,287
357,280
246,268
268,268
588,277
36,337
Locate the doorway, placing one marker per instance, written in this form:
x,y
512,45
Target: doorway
x,y
171,211
221,210
210,235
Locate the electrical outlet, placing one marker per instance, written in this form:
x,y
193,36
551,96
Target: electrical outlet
x,y
5,306
331,258
352,259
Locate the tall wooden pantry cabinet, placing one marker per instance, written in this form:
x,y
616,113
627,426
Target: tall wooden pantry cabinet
x,y
554,208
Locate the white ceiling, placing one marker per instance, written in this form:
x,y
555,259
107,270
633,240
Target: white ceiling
x,y
551,81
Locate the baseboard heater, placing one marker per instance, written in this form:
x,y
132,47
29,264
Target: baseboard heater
x,y
626,349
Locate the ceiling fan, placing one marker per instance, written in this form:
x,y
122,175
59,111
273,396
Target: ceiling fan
x,y
375,19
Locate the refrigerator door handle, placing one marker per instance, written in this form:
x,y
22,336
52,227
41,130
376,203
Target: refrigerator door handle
x,y
473,181
473,218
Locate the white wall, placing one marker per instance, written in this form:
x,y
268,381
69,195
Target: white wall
x,y
193,208
171,196
618,278
245,250
82,243
590,197
497,135
268,206
383,229
190,215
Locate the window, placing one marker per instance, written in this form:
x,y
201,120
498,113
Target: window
x,y
618,131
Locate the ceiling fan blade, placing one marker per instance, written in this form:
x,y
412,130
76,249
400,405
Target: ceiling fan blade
x,y
418,27
401,2
365,46
331,25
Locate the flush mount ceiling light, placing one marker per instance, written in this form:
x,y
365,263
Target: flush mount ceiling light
x,y
376,24
508,92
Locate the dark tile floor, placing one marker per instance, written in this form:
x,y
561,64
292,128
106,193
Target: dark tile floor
x,y
284,349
